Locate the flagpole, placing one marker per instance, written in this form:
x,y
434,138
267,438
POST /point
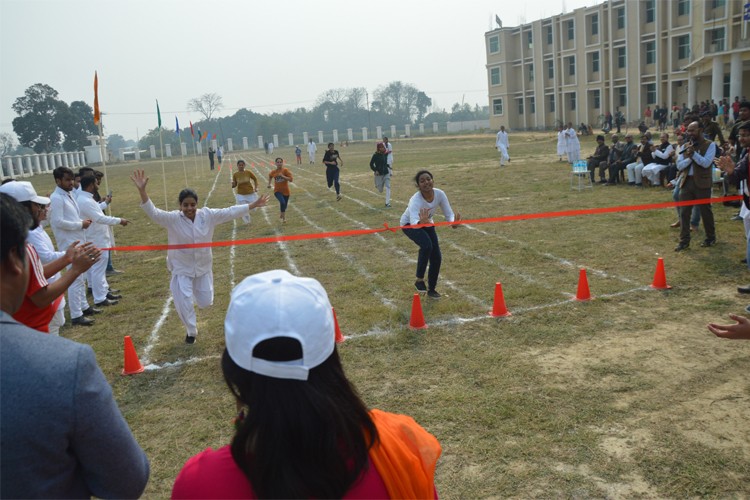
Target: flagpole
x,y
195,158
163,174
179,143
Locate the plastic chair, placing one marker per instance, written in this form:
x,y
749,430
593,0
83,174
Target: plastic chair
x,y
580,175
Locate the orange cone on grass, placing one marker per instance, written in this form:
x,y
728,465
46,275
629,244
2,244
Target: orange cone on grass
x,y
660,278
132,363
417,318
339,336
498,306
583,287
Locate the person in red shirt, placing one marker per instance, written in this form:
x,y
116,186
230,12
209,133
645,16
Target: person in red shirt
x,y
41,299
302,430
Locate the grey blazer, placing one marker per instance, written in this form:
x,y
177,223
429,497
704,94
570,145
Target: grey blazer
x,y
61,432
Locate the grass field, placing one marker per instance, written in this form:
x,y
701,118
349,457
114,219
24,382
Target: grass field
x,y
626,395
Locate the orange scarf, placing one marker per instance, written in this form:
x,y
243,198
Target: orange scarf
x,y
405,457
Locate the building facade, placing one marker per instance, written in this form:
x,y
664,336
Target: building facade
x,y
626,54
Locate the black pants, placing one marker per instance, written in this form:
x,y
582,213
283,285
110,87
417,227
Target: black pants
x,y
429,251
332,177
689,191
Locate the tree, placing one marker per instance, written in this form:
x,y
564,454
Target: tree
x,y
76,125
422,104
207,105
7,143
37,125
400,99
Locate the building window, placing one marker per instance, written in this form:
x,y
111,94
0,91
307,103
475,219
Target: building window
x,y
494,44
571,30
497,106
718,4
597,100
530,39
595,62
621,59
552,103
683,47
572,101
520,106
683,7
651,93
650,53
650,10
495,76
621,18
595,24
550,70
622,96
531,73
572,65
716,39
549,35
532,105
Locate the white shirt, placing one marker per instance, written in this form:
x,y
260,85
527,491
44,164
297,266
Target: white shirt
x,y
311,147
42,243
502,139
192,262
65,219
98,232
417,202
663,154
389,150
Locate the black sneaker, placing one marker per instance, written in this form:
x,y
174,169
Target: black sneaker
x,y
681,247
113,296
421,287
708,242
90,311
82,321
189,339
106,303
433,294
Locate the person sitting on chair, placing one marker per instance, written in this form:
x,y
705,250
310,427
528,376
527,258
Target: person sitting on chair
x,y
598,158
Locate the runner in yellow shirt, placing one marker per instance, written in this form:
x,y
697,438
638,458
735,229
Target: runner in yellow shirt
x,y
247,187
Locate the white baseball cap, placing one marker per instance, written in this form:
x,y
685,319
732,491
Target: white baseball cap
x,y
23,191
277,304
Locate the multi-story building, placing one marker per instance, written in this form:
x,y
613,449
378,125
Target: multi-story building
x,y
626,54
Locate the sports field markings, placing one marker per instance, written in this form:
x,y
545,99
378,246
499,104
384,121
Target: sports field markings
x,y
281,244
514,272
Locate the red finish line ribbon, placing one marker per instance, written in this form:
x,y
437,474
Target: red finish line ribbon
x,y
386,227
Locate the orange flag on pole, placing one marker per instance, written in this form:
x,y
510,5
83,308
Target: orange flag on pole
x,y
96,99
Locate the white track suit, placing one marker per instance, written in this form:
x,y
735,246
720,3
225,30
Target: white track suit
x,y
191,268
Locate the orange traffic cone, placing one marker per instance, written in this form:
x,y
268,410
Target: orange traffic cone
x,y
583,287
498,306
132,363
417,318
339,336
660,278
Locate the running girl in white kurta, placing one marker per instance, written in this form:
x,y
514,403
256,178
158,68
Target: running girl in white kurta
x,y
191,268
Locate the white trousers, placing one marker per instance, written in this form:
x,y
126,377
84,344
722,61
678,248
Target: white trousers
x,y
635,172
312,156
503,154
186,291
246,199
652,171
58,320
97,277
77,296
384,182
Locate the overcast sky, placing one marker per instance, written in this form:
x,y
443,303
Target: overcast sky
x,y
264,56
